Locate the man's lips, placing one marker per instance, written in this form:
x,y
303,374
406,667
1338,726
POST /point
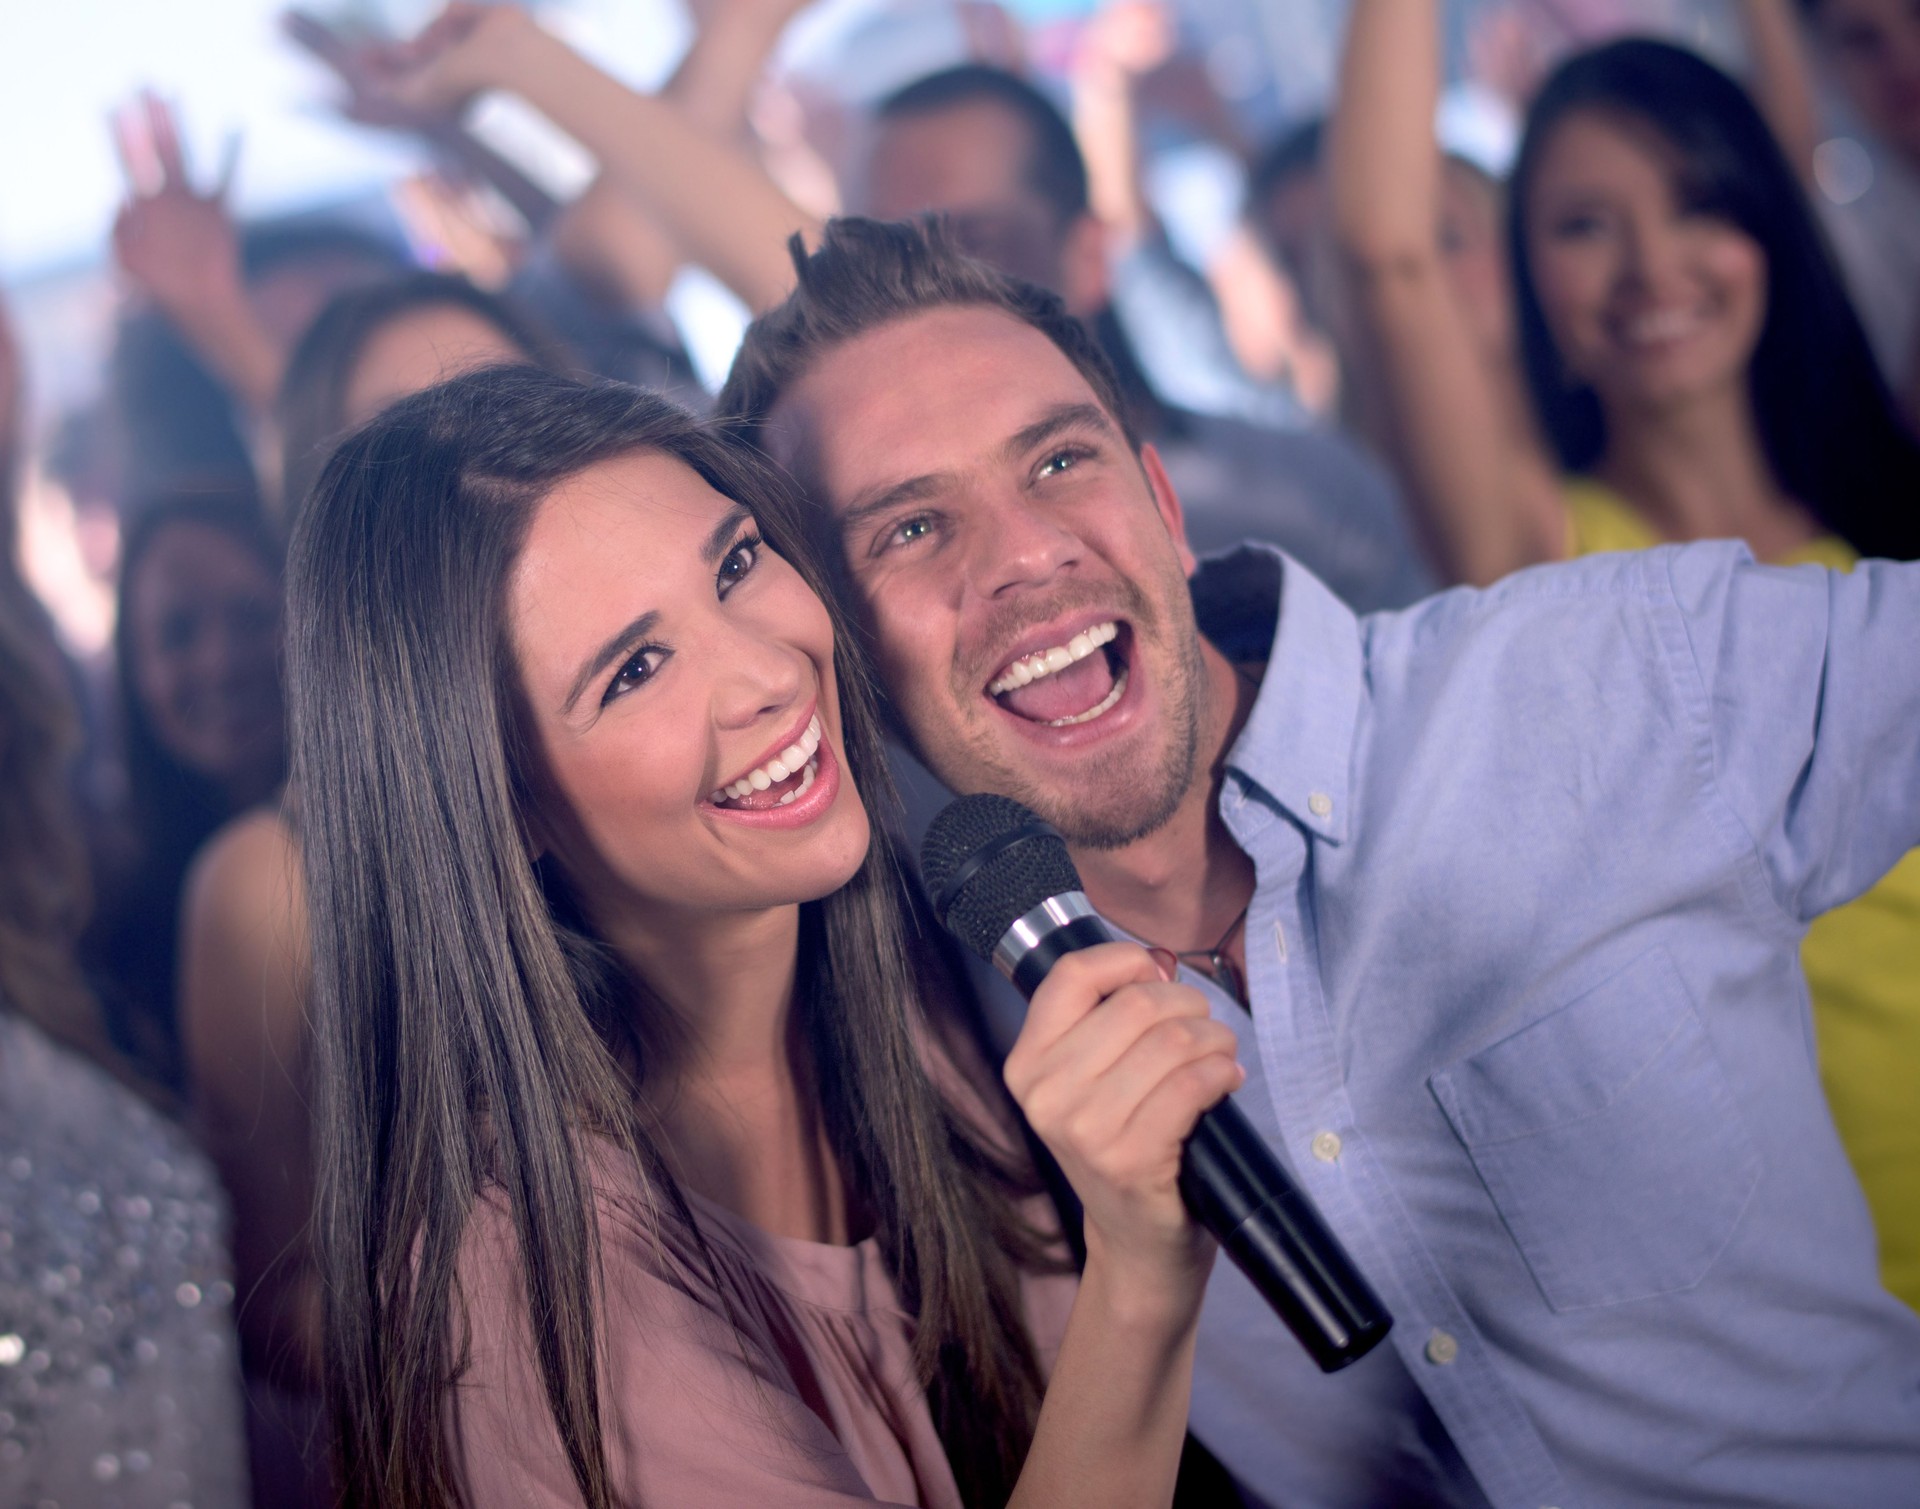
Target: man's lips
x,y
1026,658
1069,685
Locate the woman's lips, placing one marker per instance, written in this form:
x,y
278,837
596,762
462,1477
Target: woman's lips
x,y
805,796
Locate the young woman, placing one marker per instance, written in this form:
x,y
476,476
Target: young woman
x,y
1698,373
651,1173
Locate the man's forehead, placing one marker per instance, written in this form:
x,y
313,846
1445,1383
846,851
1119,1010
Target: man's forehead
x,y
933,392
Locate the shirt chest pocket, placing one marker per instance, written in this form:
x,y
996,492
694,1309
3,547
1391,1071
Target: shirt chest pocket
x,y
1609,1139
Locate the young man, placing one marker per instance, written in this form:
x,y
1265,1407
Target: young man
x,y
1503,894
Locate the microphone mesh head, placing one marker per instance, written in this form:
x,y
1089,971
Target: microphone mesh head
x,y
1025,862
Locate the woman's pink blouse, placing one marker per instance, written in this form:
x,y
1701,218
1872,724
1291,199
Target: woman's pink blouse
x,y
767,1372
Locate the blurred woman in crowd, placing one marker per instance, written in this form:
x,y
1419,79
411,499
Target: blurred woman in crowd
x,y
1697,371
197,646
379,343
244,972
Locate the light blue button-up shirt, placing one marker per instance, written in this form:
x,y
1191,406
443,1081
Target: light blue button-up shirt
x,y
1528,1024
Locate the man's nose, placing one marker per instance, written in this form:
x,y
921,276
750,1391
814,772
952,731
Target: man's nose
x,y
1020,546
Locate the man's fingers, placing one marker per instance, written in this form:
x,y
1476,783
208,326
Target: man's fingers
x,y
165,133
229,165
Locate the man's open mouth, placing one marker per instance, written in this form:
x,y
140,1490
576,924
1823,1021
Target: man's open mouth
x,y
1065,684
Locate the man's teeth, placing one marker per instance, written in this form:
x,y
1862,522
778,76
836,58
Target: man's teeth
x,y
1106,702
797,756
1046,662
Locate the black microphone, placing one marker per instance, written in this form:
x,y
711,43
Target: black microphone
x,y
1003,884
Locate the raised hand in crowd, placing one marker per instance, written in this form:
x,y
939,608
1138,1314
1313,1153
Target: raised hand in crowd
x,y
458,151
1485,490
179,248
717,204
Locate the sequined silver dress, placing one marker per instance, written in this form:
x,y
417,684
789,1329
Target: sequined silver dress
x,y
119,1378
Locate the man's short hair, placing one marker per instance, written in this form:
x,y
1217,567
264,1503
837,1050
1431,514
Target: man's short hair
x,y
870,273
1054,171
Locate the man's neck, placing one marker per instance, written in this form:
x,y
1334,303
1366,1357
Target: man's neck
x,y
1186,883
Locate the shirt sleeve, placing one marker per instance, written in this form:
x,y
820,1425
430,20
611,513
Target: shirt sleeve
x,y
695,1412
1811,687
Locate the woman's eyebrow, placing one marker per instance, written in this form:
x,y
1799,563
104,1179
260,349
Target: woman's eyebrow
x,y
720,541
712,550
610,650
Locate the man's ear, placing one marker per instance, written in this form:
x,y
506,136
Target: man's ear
x,y
1085,282
1167,503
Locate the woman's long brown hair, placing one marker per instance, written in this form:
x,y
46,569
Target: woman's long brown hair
x,y
469,1031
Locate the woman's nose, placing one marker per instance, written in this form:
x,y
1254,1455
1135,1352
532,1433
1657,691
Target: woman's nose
x,y
756,677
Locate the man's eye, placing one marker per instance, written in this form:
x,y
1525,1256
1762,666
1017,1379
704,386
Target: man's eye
x,y
907,531
739,562
1063,460
639,669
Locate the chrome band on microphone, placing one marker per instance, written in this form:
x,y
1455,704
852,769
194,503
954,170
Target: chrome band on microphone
x,y
1024,935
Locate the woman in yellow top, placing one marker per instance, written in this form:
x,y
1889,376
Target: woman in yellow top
x,y
1695,372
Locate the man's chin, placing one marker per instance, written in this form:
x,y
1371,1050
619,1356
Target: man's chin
x,y
1104,802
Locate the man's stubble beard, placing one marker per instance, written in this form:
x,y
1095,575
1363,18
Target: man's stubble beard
x,y
1111,805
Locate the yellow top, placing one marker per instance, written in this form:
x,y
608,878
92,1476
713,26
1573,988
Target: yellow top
x,y
1862,963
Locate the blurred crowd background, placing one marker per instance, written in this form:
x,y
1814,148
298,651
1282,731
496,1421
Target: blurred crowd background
x,y
211,220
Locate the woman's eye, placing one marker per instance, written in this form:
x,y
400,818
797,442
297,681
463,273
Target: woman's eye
x,y
739,562
1577,227
638,670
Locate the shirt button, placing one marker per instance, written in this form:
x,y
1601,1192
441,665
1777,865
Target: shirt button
x,y
1442,1348
1326,1147
1320,804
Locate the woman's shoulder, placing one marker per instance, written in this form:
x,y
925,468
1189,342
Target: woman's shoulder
x,y
250,864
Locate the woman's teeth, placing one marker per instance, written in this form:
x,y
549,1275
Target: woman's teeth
x,y
796,758
1046,662
1661,325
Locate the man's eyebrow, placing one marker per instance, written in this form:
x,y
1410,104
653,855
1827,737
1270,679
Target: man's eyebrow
x,y
913,490
610,650
1056,421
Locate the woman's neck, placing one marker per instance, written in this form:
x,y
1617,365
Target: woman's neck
x,y
1699,471
731,1089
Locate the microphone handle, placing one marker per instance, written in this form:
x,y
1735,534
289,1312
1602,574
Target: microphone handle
x,y
1234,1186
1237,1189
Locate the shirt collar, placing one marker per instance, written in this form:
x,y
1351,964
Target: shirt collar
x,y
1298,743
